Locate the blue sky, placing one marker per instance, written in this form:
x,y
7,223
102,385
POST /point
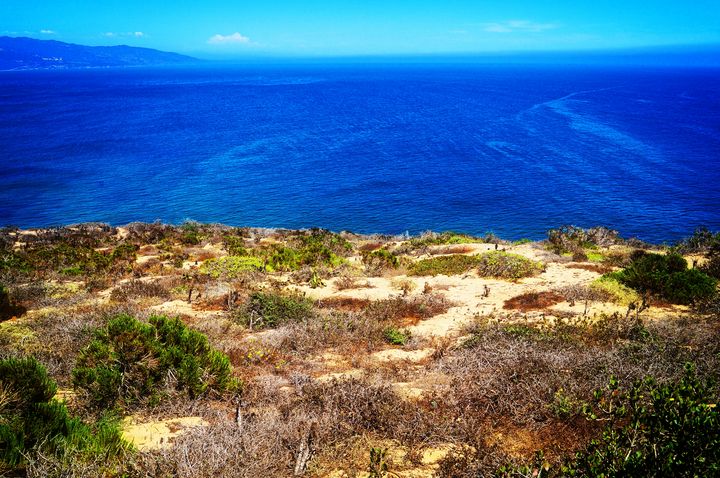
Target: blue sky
x,y
364,27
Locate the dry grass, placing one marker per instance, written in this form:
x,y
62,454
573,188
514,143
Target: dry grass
x,y
511,386
533,301
136,289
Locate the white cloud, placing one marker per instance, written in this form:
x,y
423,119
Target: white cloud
x,y
124,34
48,32
232,39
522,26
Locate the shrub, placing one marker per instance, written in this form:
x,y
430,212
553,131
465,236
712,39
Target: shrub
x,y
667,276
443,238
617,292
231,267
574,239
129,362
380,260
269,309
396,336
504,265
190,233
32,422
235,245
321,239
8,309
137,289
712,267
702,240
447,265
656,430
689,286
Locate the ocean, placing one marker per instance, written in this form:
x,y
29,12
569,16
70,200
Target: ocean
x,y
370,148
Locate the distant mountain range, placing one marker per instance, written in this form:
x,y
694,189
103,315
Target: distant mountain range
x,y
20,53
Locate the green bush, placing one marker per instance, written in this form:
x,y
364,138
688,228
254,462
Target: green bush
x,y
702,240
235,245
8,309
396,336
712,267
620,293
269,309
689,286
652,430
129,362
504,265
443,238
656,430
231,267
668,277
31,420
572,239
447,265
380,260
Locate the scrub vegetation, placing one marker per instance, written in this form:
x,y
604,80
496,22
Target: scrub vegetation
x,y
202,350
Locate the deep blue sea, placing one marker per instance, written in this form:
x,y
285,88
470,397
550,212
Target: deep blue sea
x,y
369,148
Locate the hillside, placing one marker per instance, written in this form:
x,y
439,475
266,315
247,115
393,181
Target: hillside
x,y
342,355
20,53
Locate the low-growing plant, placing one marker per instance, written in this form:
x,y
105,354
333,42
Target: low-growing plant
x,y
572,239
231,267
712,266
446,265
235,245
667,276
655,429
378,467
129,362
8,307
380,260
32,422
443,238
135,289
505,265
396,336
702,240
619,293
272,309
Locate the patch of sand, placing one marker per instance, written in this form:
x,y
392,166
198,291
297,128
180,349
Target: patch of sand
x,y
158,434
391,355
351,373
181,307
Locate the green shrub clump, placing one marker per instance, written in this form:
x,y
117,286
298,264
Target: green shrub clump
x,y
32,421
270,309
505,265
231,267
667,276
443,238
573,239
129,362
380,260
396,336
656,430
620,293
447,265
8,309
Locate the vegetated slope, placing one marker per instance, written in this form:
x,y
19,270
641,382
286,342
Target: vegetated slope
x,y
311,353
18,53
